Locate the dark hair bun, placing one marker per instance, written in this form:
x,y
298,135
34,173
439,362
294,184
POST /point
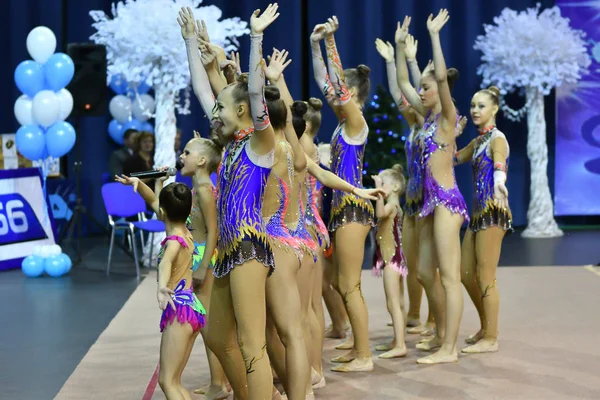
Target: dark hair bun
x,y
494,90
243,78
181,191
453,76
315,103
272,93
363,70
299,108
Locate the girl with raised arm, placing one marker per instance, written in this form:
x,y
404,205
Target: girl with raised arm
x,y
351,217
444,209
491,218
245,256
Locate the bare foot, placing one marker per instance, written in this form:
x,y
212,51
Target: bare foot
x,y
483,346
439,357
346,358
395,352
413,322
390,323
386,347
430,345
475,338
347,345
217,393
356,365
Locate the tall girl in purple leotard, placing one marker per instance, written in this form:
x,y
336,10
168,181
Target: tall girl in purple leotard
x,y
444,209
245,256
490,220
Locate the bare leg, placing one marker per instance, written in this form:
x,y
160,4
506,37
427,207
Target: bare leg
x,y
415,290
319,314
222,339
276,352
429,278
391,278
248,283
349,254
447,244
283,304
468,276
174,346
304,287
333,302
488,245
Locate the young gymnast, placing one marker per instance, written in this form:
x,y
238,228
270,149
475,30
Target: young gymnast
x,y
444,209
491,218
183,314
351,217
388,254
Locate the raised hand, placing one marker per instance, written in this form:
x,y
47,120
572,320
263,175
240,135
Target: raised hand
x,y
208,56
126,180
259,24
201,31
428,68
462,123
368,194
402,30
377,180
197,134
411,47
163,295
435,25
386,50
318,33
186,22
500,195
331,26
277,63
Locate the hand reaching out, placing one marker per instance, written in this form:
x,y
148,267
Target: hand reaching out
x,y
385,49
277,63
186,22
368,194
435,25
126,180
402,30
259,24
411,47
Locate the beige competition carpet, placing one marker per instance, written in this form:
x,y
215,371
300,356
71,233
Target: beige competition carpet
x,y
549,348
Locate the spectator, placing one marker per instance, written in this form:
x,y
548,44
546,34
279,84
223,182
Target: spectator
x,y
142,158
118,157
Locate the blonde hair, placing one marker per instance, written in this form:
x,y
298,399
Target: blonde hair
x,y
494,94
209,149
396,173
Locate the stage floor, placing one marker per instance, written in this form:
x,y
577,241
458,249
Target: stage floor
x,y
547,346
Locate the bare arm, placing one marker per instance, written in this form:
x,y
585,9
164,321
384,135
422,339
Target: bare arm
x,y
441,76
320,69
140,187
465,154
208,205
499,150
402,71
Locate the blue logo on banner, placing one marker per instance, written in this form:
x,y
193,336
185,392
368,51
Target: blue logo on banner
x,y
18,222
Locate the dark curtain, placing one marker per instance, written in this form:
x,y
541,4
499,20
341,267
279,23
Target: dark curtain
x,y
361,22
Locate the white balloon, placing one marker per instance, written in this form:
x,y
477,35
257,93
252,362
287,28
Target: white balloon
x,y
38,251
46,108
142,104
41,44
120,108
55,250
46,250
66,104
23,110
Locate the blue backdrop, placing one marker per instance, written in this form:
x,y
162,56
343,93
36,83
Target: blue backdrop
x,y
361,22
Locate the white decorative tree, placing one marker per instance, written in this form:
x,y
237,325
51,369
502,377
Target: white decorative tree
x,y
536,52
143,43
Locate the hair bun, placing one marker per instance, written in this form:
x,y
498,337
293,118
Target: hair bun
x,y
363,70
180,191
398,168
299,108
243,78
315,103
272,93
494,90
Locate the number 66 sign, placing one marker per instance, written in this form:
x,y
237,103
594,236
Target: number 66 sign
x,y
25,218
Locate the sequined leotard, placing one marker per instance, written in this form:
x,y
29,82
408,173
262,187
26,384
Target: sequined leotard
x,y
485,212
414,185
434,194
388,250
347,163
241,182
314,222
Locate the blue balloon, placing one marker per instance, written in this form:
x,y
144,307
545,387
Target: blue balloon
x,y
31,142
143,87
132,124
116,131
58,71
118,84
60,139
32,266
29,77
55,266
67,261
147,127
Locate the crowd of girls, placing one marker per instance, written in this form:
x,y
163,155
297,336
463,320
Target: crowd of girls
x,y
248,264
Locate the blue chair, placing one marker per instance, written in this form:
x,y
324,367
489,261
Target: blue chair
x,y
122,202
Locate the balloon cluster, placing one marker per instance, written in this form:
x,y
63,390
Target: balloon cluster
x,y
131,108
45,103
49,259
